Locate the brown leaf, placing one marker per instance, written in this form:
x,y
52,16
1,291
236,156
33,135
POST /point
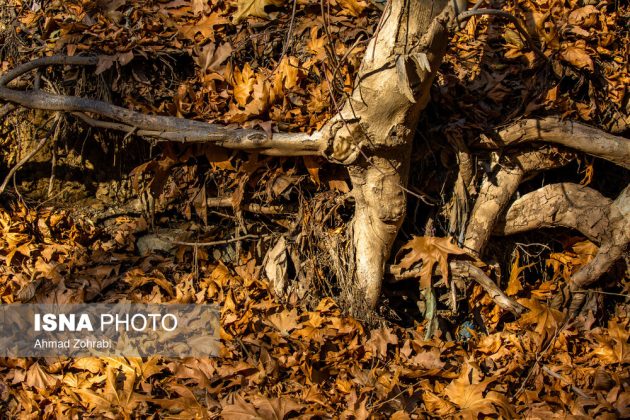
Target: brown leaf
x,y
205,26
430,251
577,57
38,378
379,339
246,8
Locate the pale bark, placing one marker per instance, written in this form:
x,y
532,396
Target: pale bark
x,y
374,131
499,187
570,134
158,127
569,205
603,221
614,244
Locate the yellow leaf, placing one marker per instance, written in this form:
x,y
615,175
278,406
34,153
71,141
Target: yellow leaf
x,y
514,283
467,392
243,83
546,319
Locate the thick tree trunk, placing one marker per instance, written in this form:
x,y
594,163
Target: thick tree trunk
x,y
375,129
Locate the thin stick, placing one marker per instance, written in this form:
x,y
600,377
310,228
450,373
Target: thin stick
x,y
563,379
221,242
26,158
248,207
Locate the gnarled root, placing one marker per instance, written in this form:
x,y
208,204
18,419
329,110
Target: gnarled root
x,y
605,222
571,134
499,187
379,212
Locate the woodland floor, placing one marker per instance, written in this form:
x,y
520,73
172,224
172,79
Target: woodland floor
x,y
85,219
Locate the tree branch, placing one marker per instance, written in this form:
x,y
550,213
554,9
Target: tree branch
x,y
162,128
574,135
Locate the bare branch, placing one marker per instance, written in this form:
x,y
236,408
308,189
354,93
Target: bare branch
x,y
570,134
464,269
164,128
249,207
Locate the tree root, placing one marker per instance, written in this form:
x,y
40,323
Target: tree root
x,y
159,127
603,221
499,187
573,135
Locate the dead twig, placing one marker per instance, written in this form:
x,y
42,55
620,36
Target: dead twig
x,y
30,155
220,242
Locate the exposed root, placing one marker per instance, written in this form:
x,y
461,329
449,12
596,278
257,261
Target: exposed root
x,y
499,187
614,243
570,205
603,221
159,127
570,134
380,210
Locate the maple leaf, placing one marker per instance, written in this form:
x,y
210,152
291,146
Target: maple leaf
x,y
514,283
546,319
468,392
379,339
246,8
260,408
205,26
39,378
243,83
429,250
613,348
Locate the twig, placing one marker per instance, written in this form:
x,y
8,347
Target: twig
x,y
249,207
28,157
563,379
602,293
221,242
462,268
